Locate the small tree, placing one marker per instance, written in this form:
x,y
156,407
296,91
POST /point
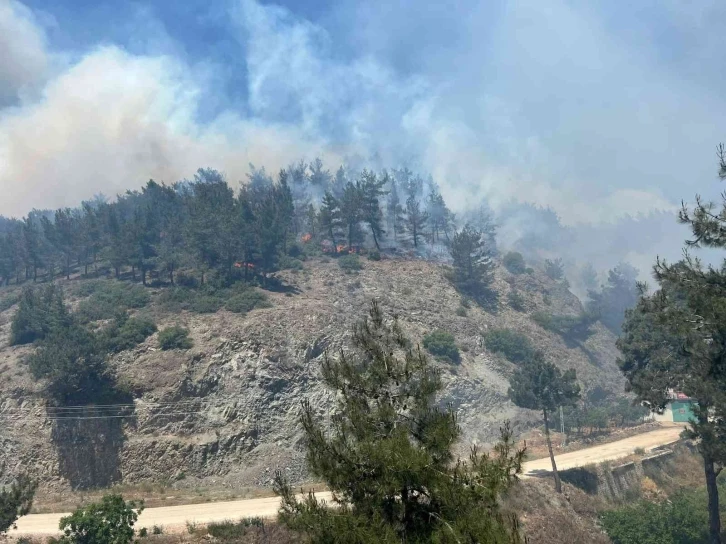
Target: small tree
x,y
473,264
416,219
16,501
388,459
175,337
110,521
555,269
514,262
539,385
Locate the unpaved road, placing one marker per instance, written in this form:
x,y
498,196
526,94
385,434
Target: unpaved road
x,y
178,516
607,452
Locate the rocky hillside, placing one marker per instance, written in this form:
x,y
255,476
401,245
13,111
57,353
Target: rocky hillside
x,y
226,411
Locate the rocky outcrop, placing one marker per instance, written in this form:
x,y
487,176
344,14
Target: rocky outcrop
x,y
227,410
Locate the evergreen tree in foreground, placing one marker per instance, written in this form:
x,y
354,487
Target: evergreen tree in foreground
x,y
539,385
388,459
15,501
675,339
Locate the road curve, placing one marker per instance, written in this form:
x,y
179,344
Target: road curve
x,y
178,516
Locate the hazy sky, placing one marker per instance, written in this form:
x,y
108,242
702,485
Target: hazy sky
x,y
595,110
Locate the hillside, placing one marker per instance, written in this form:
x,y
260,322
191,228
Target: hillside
x,y
225,411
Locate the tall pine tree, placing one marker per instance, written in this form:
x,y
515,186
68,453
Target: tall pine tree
x,y
389,460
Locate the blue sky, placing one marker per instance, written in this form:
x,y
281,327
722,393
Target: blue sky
x,y
596,109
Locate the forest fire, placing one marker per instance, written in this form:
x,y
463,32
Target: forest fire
x,y
244,265
306,237
328,247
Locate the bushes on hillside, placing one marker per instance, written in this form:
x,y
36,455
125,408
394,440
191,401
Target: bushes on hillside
x,y
570,327
108,298
350,263
175,337
246,301
514,262
41,312
515,346
516,301
683,519
442,345
73,362
126,333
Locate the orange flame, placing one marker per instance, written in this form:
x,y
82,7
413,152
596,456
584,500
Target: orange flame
x,y
246,265
306,237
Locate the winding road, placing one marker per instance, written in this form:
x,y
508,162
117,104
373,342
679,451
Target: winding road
x,y
178,516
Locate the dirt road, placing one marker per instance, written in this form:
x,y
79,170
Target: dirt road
x,y
178,516
607,452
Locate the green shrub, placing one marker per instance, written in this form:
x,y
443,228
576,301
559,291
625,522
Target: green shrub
x,y
110,521
515,346
461,311
203,301
246,301
157,530
143,532
466,302
126,333
570,327
230,531
683,519
175,337
374,255
516,301
350,263
442,345
290,263
9,300
111,297
514,262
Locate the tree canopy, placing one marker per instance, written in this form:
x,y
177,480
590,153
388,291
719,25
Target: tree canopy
x,y
388,457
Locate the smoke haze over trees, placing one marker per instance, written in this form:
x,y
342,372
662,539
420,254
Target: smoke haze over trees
x,y
170,87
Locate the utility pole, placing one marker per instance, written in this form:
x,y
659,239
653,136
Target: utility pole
x,y
562,427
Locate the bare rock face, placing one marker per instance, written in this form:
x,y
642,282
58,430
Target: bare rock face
x,y
227,411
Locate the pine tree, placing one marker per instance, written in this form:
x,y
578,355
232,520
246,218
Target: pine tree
x,y
351,212
617,295
539,385
388,459
440,217
371,191
330,219
416,219
473,263
339,183
394,210
319,177
675,339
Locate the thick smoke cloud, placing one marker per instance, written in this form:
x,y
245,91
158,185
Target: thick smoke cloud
x,y
577,108
23,58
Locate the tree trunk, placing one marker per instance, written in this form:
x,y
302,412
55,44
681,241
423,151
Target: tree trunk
x,y
143,275
35,273
558,484
116,269
375,239
171,274
133,272
714,517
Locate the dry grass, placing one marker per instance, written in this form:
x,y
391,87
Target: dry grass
x,y
549,518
